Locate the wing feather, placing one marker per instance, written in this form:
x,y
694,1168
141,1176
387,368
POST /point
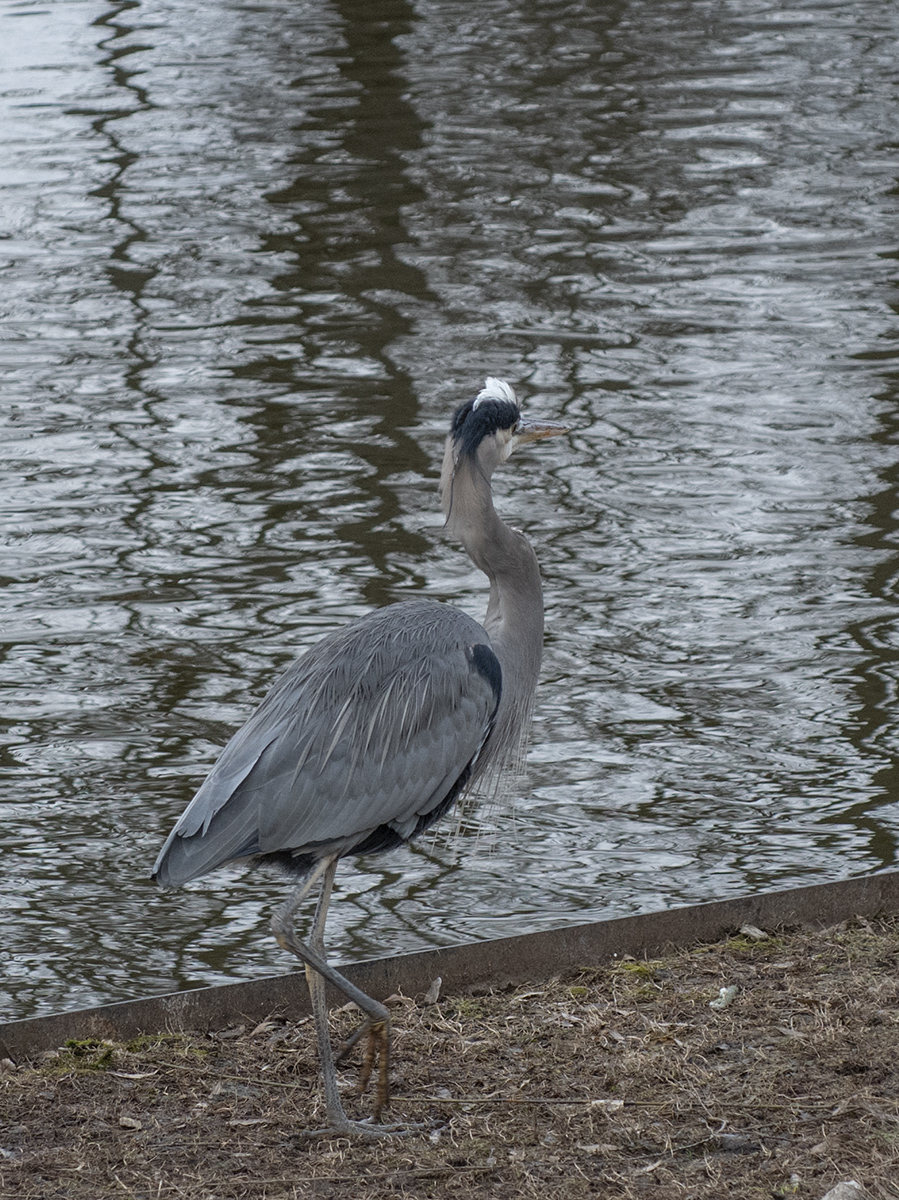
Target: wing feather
x,y
372,728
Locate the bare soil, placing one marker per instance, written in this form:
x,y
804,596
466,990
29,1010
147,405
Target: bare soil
x,y
611,1081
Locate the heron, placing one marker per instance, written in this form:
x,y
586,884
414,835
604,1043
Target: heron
x,y
373,734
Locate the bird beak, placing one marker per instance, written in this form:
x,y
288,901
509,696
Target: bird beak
x,y
534,431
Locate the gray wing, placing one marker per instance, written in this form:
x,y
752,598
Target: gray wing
x,y
373,727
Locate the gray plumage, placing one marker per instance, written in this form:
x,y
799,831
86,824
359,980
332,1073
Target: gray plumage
x,y
375,731
369,731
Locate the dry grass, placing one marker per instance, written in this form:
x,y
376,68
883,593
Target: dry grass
x,y
615,1081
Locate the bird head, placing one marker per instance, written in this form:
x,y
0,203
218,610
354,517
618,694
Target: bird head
x,y
485,431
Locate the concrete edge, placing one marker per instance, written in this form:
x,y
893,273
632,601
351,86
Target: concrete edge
x,y
496,963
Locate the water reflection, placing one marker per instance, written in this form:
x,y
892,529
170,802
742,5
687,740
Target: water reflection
x,y
254,256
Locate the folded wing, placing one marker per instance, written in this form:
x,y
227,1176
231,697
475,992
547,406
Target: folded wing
x,y
363,741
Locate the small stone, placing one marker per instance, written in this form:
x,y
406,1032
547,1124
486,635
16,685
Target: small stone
x,y
432,995
753,933
849,1190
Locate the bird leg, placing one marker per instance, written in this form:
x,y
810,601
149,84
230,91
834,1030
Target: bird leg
x,y
377,1024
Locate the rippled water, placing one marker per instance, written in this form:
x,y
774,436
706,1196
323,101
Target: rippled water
x,y
252,257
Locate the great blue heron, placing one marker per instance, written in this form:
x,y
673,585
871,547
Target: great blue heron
x,y
373,733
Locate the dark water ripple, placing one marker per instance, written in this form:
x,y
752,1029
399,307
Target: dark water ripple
x,y
253,255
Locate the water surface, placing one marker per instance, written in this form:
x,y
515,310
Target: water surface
x,y
253,256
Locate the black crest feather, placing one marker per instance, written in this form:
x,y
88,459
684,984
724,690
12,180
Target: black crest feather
x,y
476,419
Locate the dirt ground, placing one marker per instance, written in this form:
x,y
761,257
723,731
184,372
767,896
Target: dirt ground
x,y
613,1081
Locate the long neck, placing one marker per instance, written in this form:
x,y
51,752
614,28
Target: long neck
x,y
514,620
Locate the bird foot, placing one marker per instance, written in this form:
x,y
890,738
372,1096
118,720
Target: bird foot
x,y
377,1051
367,1129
